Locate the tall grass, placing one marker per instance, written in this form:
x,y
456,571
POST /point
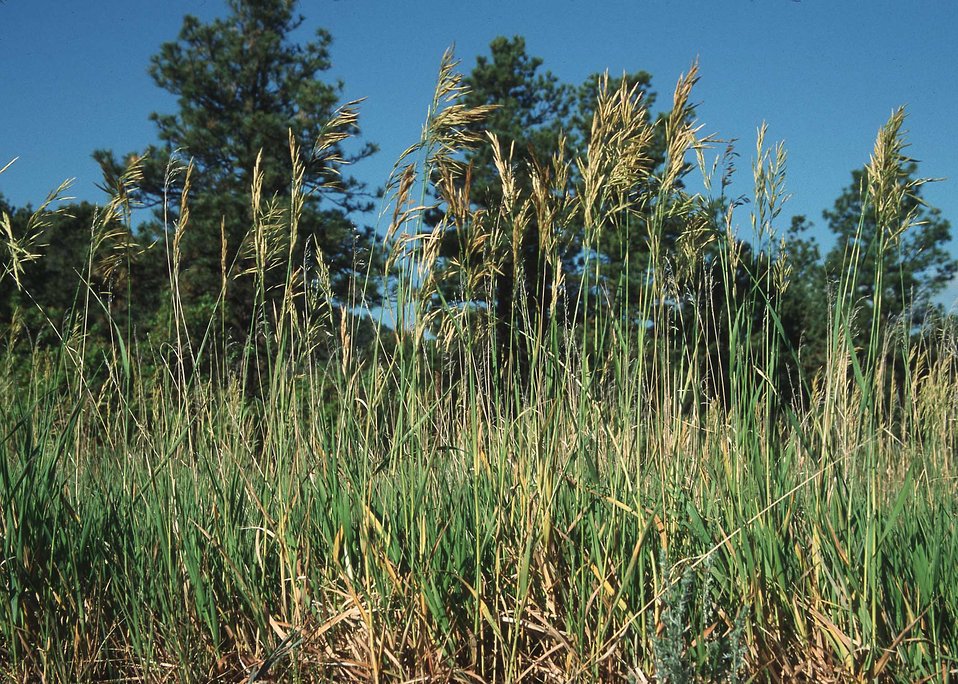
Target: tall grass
x,y
431,509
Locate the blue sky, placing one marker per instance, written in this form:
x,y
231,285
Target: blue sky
x,y
824,74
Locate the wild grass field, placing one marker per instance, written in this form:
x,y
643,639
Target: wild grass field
x,y
574,494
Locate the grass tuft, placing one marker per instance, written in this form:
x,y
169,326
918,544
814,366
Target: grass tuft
x,y
570,494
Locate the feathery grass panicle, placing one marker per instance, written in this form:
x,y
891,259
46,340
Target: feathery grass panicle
x,y
886,178
768,172
113,241
681,132
25,249
617,156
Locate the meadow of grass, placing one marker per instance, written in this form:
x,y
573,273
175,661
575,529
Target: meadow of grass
x,y
427,511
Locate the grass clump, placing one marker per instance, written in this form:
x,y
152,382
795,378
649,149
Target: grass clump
x,y
449,504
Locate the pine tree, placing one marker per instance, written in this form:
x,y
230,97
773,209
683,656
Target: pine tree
x,y
243,85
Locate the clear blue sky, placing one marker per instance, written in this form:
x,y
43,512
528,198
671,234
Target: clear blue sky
x,y
824,74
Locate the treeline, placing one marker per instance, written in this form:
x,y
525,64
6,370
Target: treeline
x,y
249,197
